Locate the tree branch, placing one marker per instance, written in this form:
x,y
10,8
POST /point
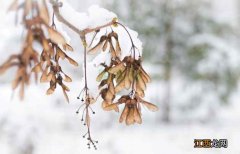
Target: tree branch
x,y
81,33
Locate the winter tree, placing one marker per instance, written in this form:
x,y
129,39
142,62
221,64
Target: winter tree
x,y
114,72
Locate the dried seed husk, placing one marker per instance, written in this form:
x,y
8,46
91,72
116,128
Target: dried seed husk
x,y
21,91
127,82
141,83
65,87
56,37
145,74
61,54
18,78
111,88
27,7
143,77
120,77
102,83
97,47
105,45
130,117
37,68
124,114
115,69
67,47
109,96
120,86
92,100
50,91
44,12
137,117
139,91
110,107
105,103
150,106
67,78
44,76
118,49
112,50
100,76
16,82
131,74
50,76
65,94
6,66
46,45
71,61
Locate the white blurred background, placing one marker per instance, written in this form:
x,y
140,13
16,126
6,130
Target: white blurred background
x,y
191,49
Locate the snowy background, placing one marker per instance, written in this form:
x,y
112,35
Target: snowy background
x,y
200,99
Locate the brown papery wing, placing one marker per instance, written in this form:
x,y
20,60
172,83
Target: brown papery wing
x,y
124,114
150,106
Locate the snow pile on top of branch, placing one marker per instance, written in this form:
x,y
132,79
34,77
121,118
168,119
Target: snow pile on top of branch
x,y
95,17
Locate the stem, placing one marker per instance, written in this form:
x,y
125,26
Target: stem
x,y
133,46
85,69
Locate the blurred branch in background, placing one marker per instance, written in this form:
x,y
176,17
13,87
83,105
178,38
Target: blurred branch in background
x,y
194,52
